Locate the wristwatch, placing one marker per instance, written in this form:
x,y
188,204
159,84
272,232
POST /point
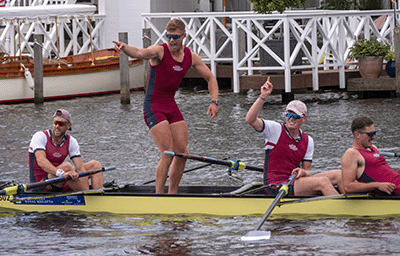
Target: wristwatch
x,y
216,102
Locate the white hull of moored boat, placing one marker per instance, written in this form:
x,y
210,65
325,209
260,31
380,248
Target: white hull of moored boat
x,y
71,85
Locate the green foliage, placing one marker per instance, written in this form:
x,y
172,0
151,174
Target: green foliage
x,y
340,5
390,56
268,6
364,47
370,5
351,5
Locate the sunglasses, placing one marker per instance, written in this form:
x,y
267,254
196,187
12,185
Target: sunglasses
x,y
175,37
59,123
295,116
370,134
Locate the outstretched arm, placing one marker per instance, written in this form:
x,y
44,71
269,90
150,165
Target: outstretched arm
x,y
252,115
152,52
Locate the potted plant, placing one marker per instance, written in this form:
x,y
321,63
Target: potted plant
x,y
370,54
390,64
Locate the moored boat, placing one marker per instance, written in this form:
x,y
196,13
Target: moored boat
x,y
92,73
202,200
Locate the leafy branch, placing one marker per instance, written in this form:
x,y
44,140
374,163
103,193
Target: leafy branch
x,y
268,6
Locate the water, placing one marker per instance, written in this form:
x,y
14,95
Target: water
x,y
116,134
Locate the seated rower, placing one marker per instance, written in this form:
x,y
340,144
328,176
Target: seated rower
x,y
47,152
363,169
286,147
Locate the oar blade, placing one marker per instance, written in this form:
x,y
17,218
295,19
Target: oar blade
x,y
256,235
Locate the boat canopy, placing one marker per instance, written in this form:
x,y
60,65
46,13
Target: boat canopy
x,y
43,11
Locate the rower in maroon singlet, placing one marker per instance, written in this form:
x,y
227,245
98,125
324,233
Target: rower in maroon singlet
x,y
363,169
48,150
164,81
168,65
288,150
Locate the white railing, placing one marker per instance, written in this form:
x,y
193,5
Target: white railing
x,y
14,3
71,32
322,38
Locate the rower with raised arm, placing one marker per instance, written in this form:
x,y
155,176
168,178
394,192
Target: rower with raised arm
x,y
363,168
169,63
286,147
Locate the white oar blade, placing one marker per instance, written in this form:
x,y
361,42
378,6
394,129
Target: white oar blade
x,y
256,235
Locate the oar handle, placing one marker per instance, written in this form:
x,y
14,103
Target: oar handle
x,y
232,164
19,189
389,154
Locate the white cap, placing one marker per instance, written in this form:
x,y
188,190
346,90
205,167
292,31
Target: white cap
x,y
297,107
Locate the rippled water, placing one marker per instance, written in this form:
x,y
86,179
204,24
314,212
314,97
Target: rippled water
x,y
116,134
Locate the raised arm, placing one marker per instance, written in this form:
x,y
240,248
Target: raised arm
x,y
252,115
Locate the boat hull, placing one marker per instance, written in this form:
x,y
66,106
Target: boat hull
x,y
80,79
222,204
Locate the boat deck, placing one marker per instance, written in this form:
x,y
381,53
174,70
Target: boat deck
x,y
185,190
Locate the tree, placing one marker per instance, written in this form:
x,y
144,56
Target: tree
x,y
268,6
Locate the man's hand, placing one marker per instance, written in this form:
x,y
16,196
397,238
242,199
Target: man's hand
x,y
386,187
300,172
212,110
266,89
73,174
118,46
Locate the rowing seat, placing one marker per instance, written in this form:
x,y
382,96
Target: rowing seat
x,y
246,187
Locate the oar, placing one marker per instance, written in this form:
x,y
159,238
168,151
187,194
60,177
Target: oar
x,y
232,164
389,154
256,234
19,189
190,170
320,198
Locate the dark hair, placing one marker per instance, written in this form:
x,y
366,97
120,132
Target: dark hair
x,y
175,24
360,123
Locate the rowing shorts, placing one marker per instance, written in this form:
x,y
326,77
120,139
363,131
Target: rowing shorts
x,y
274,191
156,113
54,189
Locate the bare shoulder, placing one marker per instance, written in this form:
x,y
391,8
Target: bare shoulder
x,y
155,53
351,152
352,156
156,49
196,60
